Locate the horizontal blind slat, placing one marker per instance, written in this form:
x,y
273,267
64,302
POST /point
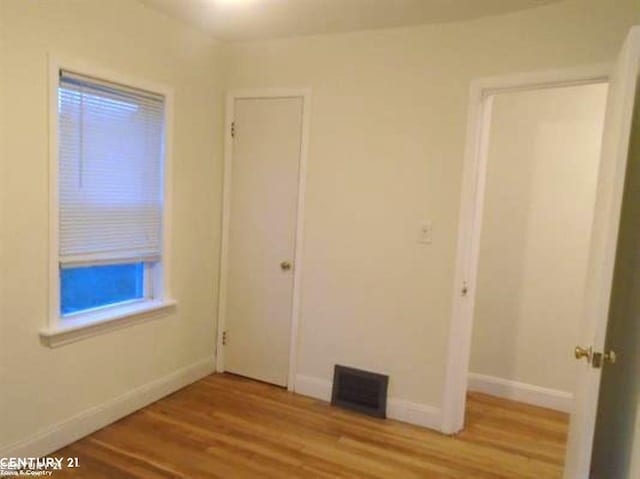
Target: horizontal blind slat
x,y
110,170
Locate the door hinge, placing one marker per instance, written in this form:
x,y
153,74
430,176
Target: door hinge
x,y
233,129
224,338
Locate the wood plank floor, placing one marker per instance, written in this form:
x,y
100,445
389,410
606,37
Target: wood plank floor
x,y
229,427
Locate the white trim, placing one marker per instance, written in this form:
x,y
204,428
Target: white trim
x,y
305,94
399,409
59,62
102,320
471,204
224,243
414,413
522,392
299,242
105,259
313,387
54,240
160,270
65,432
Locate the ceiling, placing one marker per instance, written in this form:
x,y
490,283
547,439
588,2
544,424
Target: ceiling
x,y
236,20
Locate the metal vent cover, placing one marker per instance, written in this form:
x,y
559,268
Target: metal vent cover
x,y
360,391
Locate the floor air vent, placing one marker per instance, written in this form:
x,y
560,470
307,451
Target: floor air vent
x,y
360,391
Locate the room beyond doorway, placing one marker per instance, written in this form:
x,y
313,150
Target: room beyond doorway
x,y
482,95
541,177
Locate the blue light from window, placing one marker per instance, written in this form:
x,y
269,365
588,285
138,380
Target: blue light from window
x,y
90,287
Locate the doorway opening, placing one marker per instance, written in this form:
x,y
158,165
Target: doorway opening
x,y
542,163
614,180
529,191
551,135
539,197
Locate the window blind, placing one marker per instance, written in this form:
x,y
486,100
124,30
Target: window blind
x,y
110,141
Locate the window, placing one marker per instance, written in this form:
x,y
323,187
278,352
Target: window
x,y
110,195
89,287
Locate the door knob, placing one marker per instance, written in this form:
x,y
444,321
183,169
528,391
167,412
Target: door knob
x,y
596,359
285,266
610,357
586,353
599,359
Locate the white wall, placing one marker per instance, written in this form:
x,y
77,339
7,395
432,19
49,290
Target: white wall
x,y
42,387
542,167
387,139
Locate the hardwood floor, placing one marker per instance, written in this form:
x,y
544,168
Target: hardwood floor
x,y
229,427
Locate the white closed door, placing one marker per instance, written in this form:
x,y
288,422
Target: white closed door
x,y
611,239
263,199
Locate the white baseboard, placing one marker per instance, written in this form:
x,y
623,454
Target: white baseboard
x,y
399,409
59,435
313,387
522,392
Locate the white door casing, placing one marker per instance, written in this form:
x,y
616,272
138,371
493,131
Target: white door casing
x,y
481,95
623,78
262,229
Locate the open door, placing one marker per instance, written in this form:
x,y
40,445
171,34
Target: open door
x,y
616,438
604,241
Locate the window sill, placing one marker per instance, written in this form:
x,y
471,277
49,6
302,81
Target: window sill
x,y
95,323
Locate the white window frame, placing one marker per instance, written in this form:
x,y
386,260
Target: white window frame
x,y
157,300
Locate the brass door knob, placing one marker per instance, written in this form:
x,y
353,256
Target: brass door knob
x,y
596,359
586,353
285,266
610,357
